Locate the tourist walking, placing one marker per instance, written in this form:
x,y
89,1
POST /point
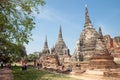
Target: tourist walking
x,y
38,65
63,67
1,65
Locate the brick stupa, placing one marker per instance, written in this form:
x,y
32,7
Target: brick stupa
x,y
101,59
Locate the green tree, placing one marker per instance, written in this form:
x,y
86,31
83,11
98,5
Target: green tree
x,y
16,22
21,54
33,56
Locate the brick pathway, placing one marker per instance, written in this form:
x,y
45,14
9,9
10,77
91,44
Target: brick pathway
x,y
6,74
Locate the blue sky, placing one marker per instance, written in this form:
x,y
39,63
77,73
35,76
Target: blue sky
x,y
70,14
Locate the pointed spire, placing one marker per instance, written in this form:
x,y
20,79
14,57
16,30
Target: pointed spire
x,y
46,43
46,49
87,19
60,34
100,33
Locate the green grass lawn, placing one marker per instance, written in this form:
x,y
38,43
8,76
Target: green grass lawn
x,y
33,74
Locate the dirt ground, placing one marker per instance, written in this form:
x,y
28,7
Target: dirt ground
x,y
92,75
6,74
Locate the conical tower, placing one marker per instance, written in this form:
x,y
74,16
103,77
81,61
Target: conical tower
x,y
88,23
60,47
46,43
60,35
100,32
86,43
60,43
46,49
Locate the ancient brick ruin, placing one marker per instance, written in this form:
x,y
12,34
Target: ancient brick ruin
x,y
92,46
57,56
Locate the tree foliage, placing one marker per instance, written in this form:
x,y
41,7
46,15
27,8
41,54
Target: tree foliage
x,y
33,56
17,22
10,56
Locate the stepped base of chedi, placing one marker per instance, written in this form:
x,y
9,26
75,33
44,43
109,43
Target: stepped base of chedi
x,y
102,61
101,58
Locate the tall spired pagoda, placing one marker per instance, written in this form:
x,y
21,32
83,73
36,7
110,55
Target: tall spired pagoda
x,y
87,41
60,48
45,50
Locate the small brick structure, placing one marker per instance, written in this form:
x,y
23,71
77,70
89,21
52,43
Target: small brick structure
x,y
50,61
